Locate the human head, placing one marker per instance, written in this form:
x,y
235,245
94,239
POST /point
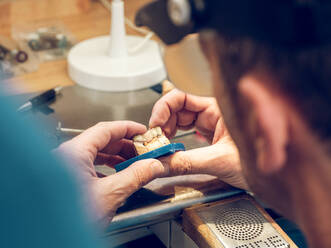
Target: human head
x,y
272,97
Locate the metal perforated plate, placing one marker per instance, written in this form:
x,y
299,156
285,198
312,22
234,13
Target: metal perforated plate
x,y
239,224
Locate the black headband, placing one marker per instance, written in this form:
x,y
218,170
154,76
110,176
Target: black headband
x,y
281,22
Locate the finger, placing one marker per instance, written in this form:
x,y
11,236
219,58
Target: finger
x,y
206,122
198,103
221,160
100,135
186,128
109,160
176,101
123,148
177,164
220,131
114,160
144,171
170,127
195,161
167,106
115,189
128,151
186,118
208,118
100,175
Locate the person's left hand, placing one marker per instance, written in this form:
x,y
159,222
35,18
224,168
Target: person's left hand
x,y
108,143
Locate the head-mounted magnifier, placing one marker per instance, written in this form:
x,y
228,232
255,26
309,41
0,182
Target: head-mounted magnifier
x,y
285,23
280,22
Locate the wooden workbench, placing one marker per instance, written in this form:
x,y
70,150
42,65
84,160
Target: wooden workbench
x,y
84,18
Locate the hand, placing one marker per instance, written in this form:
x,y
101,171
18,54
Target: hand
x,y
178,110
107,143
221,160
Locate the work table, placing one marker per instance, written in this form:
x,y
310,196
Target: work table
x,y
84,18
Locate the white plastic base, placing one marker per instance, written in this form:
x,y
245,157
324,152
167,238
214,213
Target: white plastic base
x,y
90,65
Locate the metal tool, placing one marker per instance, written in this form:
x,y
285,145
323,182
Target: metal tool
x,y
73,131
240,224
40,99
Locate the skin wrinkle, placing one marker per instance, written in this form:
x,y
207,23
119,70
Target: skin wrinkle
x,y
169,108
116,196
170,126
177,105
228,160
92,151
185,101
78,153
185,118
184,165
227,173
212,121
173,115
220,131
139,178
108,135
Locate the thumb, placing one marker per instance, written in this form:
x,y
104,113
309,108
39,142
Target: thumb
x,y
113,190
142,172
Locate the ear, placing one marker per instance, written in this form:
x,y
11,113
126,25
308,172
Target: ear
x,y
270,123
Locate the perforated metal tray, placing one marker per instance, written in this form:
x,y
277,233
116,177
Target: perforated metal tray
x,y
240,224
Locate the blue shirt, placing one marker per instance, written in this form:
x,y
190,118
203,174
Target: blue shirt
x,y
40,203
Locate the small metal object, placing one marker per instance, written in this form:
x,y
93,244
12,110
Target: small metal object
x,y
179,11
45,39
181,134
74,131
21,56
34,45
239,224
5,69
61,129
17,55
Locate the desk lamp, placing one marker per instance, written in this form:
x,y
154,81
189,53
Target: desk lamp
x,y
108,63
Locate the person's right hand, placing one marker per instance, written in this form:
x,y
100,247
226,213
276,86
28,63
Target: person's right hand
x,y
220,159
179,110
